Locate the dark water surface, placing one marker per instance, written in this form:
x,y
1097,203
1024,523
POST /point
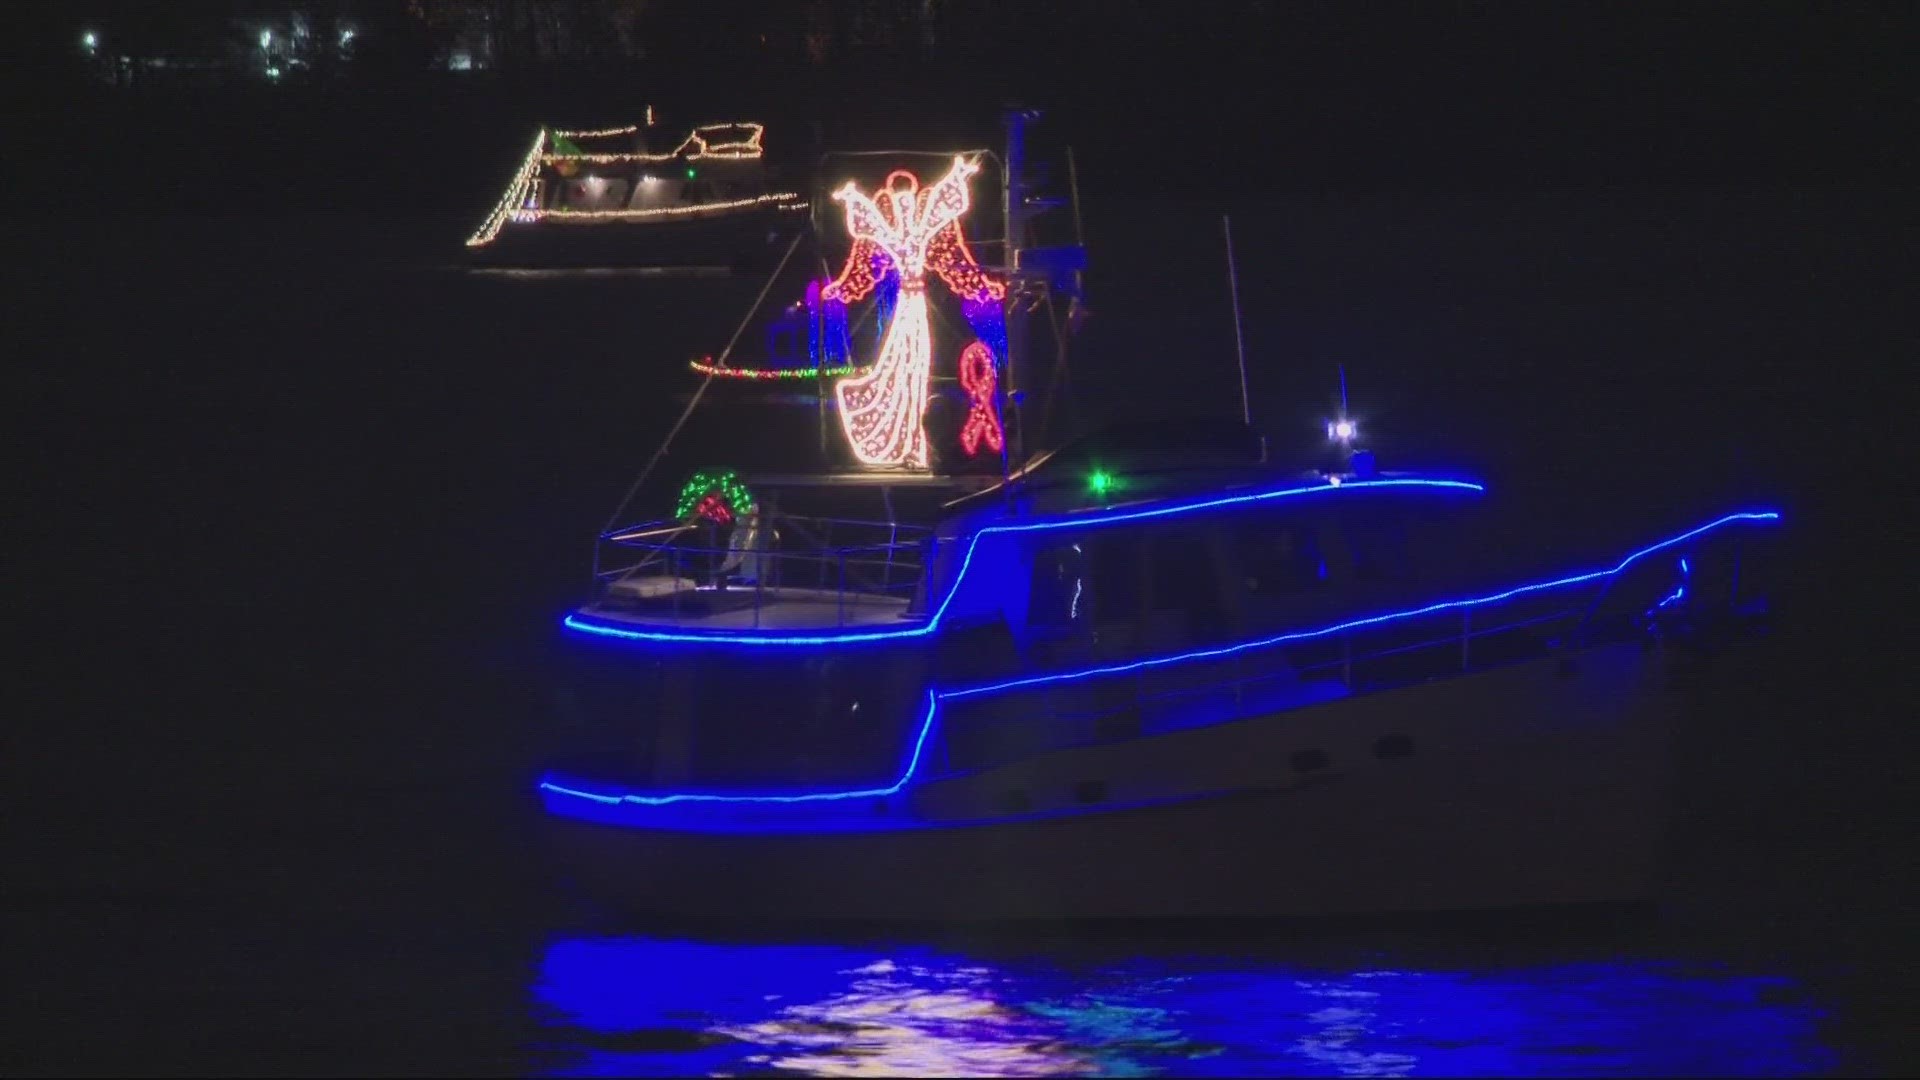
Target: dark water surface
x,y
301,504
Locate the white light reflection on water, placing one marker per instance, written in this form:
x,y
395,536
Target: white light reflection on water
x,y
638,1006
909,1021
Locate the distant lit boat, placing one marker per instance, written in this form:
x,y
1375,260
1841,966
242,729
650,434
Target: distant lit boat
x,y
611,197
1149,672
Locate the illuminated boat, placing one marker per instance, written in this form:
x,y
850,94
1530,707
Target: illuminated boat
x,y
1155,671
1129,690
622,196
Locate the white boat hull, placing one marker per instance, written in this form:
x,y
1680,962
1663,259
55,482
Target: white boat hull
x,y
1538,783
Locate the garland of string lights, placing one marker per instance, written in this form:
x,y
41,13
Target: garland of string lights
x,y
516,193
609,132
739,148
784,201
735,150
605,133
601,133
714,494
623,156
707,367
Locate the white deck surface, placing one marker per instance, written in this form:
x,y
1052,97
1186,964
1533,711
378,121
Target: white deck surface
x,y
777,609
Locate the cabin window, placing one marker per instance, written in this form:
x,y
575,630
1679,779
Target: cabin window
x,y
1185,580
976,652
1092,580
1379,551
596,193
1115,574
1279,560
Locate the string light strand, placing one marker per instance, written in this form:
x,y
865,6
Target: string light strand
x,y
516,192
602,133
706,367
695,147
782,199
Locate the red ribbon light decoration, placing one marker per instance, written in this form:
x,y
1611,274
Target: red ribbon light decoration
x,y
977,379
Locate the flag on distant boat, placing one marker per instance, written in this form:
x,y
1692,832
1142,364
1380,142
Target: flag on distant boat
x,y
561,146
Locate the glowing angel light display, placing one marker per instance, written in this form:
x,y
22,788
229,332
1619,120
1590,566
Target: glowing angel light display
x,y
899,234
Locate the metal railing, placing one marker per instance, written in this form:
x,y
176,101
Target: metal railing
x,y
789,570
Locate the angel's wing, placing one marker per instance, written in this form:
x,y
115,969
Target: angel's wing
x,y
866,222
947,199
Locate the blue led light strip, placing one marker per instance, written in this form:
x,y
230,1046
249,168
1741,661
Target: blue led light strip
x,y
934,697
1091,520
906,776
1355,624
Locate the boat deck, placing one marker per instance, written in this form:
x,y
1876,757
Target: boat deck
x,y
746,608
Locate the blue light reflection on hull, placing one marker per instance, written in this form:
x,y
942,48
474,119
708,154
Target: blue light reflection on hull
x,y
712,1008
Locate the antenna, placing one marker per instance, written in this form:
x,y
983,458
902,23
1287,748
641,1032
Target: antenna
x,y
1239,340
1343,433
1341,429
1013,222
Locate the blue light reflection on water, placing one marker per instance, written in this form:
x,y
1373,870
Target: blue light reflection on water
x,y
645,1006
